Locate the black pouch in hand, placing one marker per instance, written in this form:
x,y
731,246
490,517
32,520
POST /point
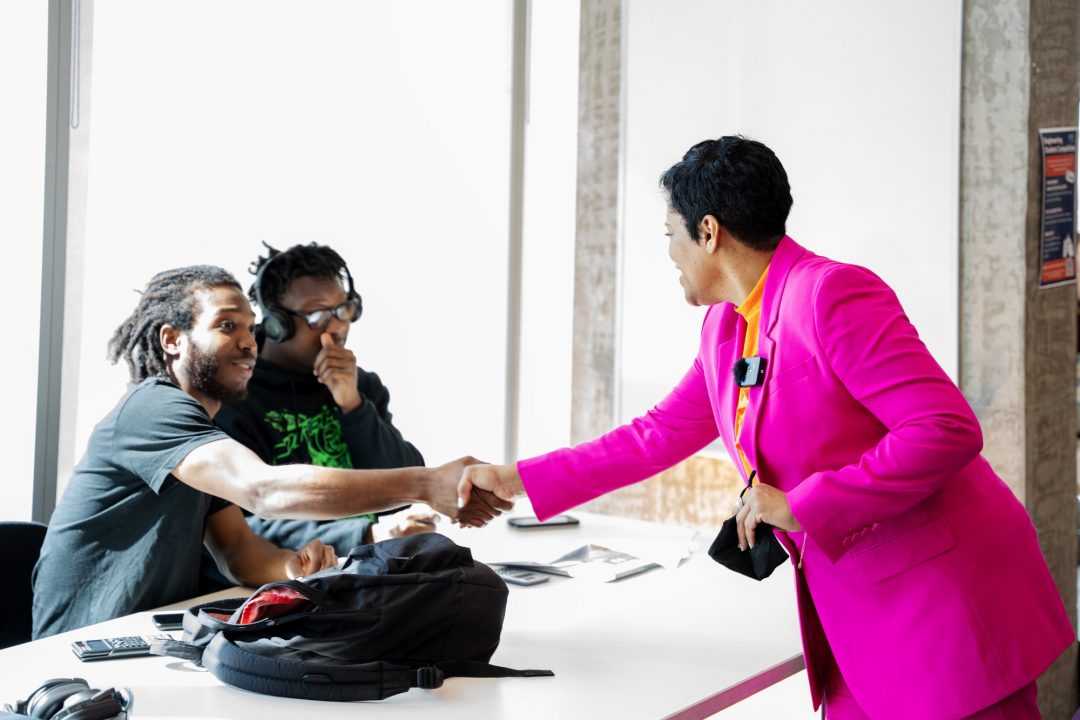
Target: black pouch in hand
x,y
758,562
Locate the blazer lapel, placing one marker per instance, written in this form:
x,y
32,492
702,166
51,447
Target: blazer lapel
x,y
788,252
725,342
757,395
731,400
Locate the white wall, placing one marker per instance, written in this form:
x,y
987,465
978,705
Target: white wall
x,y
859,99
24,52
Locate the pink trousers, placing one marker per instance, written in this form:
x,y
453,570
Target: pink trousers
x,y
840,704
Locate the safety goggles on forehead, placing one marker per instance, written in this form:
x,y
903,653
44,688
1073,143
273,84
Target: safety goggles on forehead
x,y
348,311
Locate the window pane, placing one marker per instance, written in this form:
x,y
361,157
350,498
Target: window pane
x,y
24,45
547,316
216,126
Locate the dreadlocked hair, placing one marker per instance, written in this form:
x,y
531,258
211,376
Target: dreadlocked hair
x,y
169,299
298,261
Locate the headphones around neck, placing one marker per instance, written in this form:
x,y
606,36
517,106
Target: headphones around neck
x,y
72,699
277,325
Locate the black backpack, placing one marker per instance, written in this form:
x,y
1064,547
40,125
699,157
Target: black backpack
x,y
400,614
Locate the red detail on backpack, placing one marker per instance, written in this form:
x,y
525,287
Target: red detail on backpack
x,y
271,603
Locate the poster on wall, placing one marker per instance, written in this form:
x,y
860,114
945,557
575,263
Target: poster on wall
x,y
1057,244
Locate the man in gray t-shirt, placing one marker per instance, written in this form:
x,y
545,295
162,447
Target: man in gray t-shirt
x,y
126,535
125,511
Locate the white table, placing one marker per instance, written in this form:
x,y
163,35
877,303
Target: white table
x,y
682,643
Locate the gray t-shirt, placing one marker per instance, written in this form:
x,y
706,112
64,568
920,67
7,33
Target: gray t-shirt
x,y
127,534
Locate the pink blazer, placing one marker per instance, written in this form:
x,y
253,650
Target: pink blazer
x,y
922,573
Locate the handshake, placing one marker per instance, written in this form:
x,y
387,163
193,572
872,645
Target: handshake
x,y
470,492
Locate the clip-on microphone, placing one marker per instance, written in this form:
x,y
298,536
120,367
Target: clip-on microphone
x,y
749,371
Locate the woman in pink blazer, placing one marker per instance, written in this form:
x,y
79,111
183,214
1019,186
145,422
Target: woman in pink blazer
x,y
922,591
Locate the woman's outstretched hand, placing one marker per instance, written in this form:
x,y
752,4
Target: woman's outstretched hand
x,y
488,485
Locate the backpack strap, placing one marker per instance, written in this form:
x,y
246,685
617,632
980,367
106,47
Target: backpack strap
x,y
471,668
201,623
377,680
178,649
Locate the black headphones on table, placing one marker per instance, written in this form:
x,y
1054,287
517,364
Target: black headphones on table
x,y
72,699
276,324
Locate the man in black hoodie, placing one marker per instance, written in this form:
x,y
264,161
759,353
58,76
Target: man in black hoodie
x,y
307,400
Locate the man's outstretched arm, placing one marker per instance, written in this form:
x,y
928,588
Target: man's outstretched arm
x,y
228,470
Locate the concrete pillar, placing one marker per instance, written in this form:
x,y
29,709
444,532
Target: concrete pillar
x,y
1017,342
596,251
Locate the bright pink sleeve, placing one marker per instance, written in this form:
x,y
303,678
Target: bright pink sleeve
x,y
931,432
680,425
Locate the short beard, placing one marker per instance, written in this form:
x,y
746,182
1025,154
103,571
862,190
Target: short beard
x,y
202,372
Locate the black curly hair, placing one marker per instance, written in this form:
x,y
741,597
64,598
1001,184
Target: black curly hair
x,y
298,261
169,299
738,181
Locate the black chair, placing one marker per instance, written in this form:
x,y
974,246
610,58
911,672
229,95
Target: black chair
x,y
21,545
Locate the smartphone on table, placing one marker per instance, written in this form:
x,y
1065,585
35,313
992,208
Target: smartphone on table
x,y
168,621
117,647
525,522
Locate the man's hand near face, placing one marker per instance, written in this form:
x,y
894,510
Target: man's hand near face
x,y
335,367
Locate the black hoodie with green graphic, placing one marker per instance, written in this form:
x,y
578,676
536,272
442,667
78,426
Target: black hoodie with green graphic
x,y
288,418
